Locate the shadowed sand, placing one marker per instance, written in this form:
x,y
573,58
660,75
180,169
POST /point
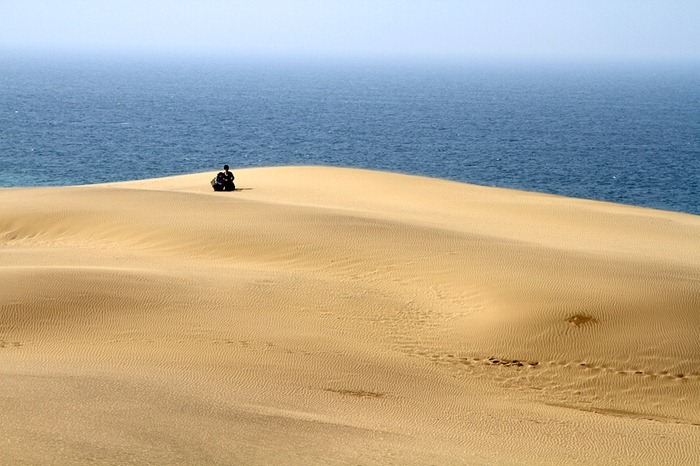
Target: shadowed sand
x,y
340,316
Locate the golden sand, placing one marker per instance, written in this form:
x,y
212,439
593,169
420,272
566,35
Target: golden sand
x,y
341,316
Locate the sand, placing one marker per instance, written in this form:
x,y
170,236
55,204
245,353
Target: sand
x,y
340,316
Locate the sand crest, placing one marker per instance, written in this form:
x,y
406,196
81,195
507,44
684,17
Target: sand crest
x,y
340,316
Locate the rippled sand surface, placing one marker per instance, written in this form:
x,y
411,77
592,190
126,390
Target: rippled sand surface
x,y
339,316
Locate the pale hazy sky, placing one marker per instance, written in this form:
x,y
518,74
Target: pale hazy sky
x,y
574,29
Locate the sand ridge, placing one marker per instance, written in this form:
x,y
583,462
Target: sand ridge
x,y
333,316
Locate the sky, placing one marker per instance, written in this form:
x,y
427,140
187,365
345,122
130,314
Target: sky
x,y
452,29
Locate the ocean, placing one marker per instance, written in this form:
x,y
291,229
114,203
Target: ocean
x,y
625,133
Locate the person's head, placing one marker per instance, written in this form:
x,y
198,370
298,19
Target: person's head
x,y
226,167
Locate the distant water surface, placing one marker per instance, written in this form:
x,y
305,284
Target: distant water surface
x,y
624,133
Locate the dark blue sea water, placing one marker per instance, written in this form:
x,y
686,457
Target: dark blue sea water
x,y
622,133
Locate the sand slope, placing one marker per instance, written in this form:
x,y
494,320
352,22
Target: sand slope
x,y
339,316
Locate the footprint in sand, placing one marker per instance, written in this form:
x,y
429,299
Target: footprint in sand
x,y
581,319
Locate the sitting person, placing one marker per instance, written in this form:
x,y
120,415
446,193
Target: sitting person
x,y
228,180
218,182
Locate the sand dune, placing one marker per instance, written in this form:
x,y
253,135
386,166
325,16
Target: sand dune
x,y
341,316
